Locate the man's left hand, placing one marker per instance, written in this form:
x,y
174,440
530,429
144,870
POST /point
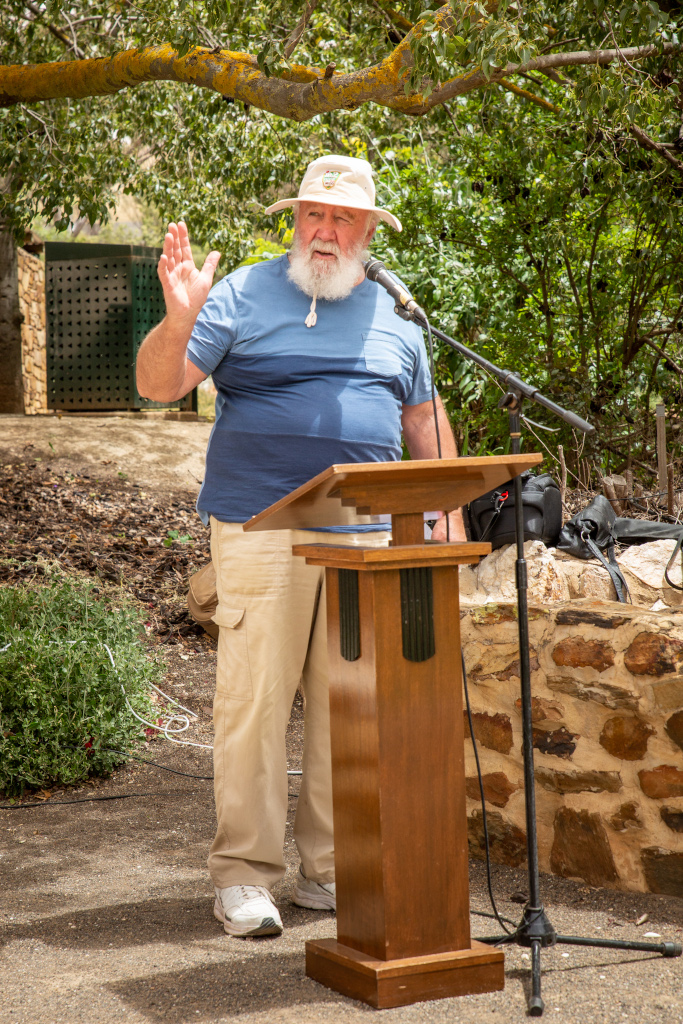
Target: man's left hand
x,y
456,528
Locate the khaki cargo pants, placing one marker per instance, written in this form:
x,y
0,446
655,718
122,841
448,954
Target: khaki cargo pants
x,y
272,635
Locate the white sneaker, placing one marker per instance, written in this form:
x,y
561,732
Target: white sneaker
x,y
247,910
315,895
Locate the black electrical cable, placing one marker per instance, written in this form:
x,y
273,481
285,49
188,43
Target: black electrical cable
x,y
123,796
430,343
482,913
432,373
499,919
61,803
155,764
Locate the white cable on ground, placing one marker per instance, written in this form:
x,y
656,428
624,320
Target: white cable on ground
x,y
168,727
174,701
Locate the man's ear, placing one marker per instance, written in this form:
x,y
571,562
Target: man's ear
x,y
369,235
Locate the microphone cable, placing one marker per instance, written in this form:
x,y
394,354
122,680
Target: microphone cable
x,y
502,921
430,344
484,822
432,373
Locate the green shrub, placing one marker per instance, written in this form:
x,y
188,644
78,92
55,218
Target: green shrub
x,y
61,701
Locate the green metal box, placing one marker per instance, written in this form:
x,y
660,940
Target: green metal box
x,y
100,302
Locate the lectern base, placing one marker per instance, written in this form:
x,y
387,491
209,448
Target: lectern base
x,y
386,983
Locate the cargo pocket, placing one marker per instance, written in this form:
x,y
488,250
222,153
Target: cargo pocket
x,y
233,672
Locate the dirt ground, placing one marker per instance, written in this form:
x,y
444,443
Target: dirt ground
x,y
152,452
106,911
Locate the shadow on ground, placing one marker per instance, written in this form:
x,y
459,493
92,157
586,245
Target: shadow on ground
x,y
121,925
233,988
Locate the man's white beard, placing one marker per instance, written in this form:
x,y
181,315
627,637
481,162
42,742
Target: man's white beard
x,y
327,279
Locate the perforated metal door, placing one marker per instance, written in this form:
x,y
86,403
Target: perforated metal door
x,y
148,310
101,301
89,320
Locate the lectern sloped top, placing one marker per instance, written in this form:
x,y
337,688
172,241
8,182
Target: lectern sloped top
x,y
346,495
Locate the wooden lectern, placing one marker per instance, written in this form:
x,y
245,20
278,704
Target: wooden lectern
x,y
400,826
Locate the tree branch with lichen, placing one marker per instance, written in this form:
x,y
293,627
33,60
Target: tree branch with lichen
x,y
297,92
526,95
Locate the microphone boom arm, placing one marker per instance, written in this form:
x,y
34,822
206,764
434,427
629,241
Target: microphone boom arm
x,y
509,379
407,308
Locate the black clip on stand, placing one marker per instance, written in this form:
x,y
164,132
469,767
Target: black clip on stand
x,y
534,930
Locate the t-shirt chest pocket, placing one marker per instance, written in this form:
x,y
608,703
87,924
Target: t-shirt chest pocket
x,y
381,352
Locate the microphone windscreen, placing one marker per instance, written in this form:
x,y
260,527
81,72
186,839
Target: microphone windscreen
x,y
373,269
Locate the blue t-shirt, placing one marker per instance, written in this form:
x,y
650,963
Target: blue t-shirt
x,y
293,400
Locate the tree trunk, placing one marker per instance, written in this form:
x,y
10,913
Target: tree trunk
x,y
11,382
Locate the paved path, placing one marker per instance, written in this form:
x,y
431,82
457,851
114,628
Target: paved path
x,y
106,915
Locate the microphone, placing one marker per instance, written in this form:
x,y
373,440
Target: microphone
x,y
376,271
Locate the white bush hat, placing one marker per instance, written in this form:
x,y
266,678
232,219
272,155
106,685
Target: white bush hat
x,y
339,181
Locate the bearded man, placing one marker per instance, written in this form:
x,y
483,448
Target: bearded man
x,y
312,367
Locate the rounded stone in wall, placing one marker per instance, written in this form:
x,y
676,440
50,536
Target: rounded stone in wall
x,y
575,652
492,731
661,783
497,788
581,848
663,870
543,710
507,842
625,737
674,728
589,781
558,742
672,818
653,654
626,817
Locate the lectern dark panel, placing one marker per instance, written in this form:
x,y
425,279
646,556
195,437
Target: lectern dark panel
x,y
349,615
417,613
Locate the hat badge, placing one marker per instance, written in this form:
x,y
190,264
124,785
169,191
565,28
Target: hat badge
x,y
330,178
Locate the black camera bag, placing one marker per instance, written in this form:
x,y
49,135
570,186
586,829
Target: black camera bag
x,y
590,532
597,528
492,516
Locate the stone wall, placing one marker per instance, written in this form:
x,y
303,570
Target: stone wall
x,y
607,686
31,274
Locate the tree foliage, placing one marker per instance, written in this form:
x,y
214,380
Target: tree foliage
x,y
540,186
66,153
553,249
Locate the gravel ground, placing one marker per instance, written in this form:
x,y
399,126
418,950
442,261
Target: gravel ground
x,y
106,912
107,915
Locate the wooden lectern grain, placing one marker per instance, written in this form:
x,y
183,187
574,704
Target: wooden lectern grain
x,y
398,777
407,529
383,984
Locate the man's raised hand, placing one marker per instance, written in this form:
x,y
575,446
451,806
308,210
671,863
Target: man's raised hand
x,y
185,288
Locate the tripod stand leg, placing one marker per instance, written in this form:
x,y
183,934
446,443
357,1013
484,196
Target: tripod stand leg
x,y
535,1001
666,949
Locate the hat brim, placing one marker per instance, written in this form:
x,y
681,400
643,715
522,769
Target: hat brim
x,y
384,215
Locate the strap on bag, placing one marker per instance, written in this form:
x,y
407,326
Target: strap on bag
x,y
670,563
499,499
612,566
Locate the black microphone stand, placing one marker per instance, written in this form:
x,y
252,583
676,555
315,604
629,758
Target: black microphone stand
x,y
535,930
